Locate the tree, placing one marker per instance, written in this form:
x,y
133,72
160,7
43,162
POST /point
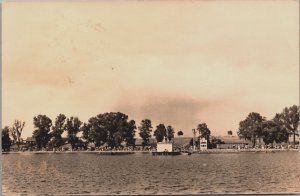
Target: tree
x,y
145,131
160,133
229,132
73,127
180,133
251,128
41,134
118,128
274,131
16,131
204,131
130,133
6,143
58,129
290,117
170,133
94,131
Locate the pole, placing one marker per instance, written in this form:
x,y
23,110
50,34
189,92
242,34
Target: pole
x,y
194,143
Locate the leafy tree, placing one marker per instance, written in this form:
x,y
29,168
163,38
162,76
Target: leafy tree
x,y
180,133
129,133
118,128
170,133
204,131
94,131
58,129
251,128
41,134
73,127
274,131
215,141
16,131
160,133
145,131
290,116
229,132
6,143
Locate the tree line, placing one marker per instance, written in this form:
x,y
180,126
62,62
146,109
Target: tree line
x,y
278,129
114,129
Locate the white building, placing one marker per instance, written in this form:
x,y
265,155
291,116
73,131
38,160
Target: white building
x,y
203,144
164,147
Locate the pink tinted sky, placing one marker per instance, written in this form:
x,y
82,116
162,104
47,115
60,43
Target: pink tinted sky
x,y
175,62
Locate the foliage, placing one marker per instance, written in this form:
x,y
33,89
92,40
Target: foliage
x,y
192,142
145,131
58,129
204,131
110,128
229,132
180,133
118,128
73,127
215,141
251,128
16,131
6,143
160,133
41,134
170,133
290,117
275,131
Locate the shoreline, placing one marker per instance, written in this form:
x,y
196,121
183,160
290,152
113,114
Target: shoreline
x,y
211,151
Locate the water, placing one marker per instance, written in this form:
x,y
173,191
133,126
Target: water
x,y
85,173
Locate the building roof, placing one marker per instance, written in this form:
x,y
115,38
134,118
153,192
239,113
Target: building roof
x,y
30,139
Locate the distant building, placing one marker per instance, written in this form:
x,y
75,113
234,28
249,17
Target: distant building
x,y
233,142
203,144
164,147
30,140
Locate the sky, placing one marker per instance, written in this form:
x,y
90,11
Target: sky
x,y
180,63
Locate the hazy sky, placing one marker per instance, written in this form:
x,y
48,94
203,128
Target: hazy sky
x,y
175,62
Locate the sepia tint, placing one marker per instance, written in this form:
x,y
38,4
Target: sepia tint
x,y
150,97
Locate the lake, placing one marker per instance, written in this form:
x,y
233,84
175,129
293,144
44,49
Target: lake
x,y
90,173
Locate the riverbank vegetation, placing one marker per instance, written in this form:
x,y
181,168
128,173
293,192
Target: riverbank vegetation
x,y
115,130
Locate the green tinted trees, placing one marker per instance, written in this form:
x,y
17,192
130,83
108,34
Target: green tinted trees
x,y
160,133
41,134
6,143
145,131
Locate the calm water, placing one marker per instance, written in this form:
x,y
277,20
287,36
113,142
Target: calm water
x,y
85,173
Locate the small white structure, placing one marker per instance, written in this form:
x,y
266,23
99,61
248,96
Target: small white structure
x,y
203,144
164,147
